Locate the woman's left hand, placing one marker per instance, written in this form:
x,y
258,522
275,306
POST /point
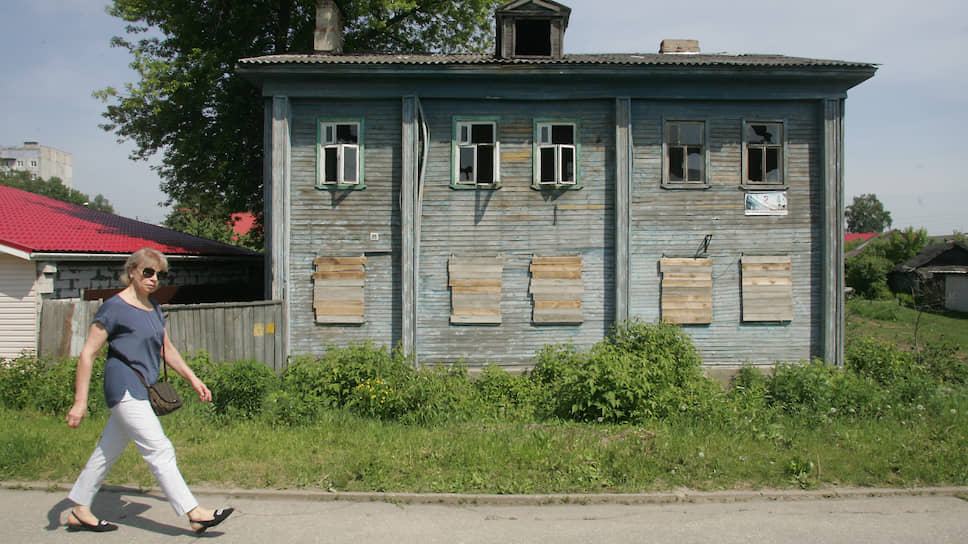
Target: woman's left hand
x,y
204,394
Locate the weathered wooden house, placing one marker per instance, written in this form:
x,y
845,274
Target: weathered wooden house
x,y
939,274
477,207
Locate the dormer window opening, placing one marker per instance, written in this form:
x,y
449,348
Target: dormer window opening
x,y
532,38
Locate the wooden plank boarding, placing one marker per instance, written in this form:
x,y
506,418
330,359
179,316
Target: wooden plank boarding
x,y
687,290
475,290
338,290
557,289
767,288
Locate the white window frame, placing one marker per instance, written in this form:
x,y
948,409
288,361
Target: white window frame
x,y
543,139
781,155
327,140
463,140
667,180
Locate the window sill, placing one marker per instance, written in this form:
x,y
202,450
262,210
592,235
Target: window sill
x,y
694,186
764,186
339,187
557,186
479,186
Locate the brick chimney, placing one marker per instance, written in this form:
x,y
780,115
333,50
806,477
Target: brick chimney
x,y
328,36
679,46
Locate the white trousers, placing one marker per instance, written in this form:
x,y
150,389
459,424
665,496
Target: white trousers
x,y
133,419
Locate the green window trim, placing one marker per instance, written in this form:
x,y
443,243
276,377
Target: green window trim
x,y
553,150
332,164
475,153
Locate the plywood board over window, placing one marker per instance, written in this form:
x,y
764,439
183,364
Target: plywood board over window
x,y
475,290
338,290
557,289
687,290
767,288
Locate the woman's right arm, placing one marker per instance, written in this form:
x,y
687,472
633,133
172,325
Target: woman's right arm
x,y
97,336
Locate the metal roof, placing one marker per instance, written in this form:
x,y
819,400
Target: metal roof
x,y
628,59
32,223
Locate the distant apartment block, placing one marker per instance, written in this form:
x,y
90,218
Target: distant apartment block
x,y
41,161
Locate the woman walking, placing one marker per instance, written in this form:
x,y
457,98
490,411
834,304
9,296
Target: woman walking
x,y
133,327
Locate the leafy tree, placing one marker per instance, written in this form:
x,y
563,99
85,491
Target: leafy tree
x,y
212,226
54,188
867,214
900,245
192,106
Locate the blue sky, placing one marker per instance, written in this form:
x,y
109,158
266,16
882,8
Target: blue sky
x,y
904,126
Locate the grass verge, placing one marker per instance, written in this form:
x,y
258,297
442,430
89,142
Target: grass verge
x,y
348,453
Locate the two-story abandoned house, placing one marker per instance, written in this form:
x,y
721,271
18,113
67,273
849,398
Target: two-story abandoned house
x,y
478,207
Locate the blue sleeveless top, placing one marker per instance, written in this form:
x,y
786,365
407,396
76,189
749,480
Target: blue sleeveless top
x,y
135,337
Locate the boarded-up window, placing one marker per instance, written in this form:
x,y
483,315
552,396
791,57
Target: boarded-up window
x,y
338,290
687,290
767,288
557,289
475,290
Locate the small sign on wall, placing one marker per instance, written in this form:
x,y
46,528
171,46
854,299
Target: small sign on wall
x,y
766,203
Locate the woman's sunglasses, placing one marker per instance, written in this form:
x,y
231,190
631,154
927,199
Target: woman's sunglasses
x,y
148,272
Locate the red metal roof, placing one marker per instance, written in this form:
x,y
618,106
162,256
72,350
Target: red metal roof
x,y
38,224
851,236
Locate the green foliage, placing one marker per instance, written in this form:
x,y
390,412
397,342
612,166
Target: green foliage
x,y
640,371
214,225
880,361
332,380
941,361
46,385
867,274
192,106
54,188
815,391
867,214
240,389
898,246
506,396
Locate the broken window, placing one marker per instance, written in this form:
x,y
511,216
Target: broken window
x,y
532,38
557,154
764,152
339,154
477,153
685,152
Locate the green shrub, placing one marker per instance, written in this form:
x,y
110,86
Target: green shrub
x,y
283,408
439,394
46,384
639,371
331,381
240,389
941,361
505,396
867,274
884,363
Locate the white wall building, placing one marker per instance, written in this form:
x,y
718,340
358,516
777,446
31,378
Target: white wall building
x,y
41,161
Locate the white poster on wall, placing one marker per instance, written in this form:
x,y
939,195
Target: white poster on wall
x,y
766,203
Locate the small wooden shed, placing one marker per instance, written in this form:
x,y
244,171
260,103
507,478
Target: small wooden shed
x,y
477,207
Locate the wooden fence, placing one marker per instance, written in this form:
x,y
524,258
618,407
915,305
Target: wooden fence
x,y
229,331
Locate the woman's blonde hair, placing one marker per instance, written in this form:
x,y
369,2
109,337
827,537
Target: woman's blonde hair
x,y
144,256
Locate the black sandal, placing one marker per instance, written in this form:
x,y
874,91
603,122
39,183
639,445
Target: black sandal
x,y
220,515
100,527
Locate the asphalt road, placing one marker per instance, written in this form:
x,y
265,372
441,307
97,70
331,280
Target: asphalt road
x,y
31,513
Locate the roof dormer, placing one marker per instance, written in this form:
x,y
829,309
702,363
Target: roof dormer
x,y
531,29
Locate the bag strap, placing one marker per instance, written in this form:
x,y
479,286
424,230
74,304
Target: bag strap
x,y
164,363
